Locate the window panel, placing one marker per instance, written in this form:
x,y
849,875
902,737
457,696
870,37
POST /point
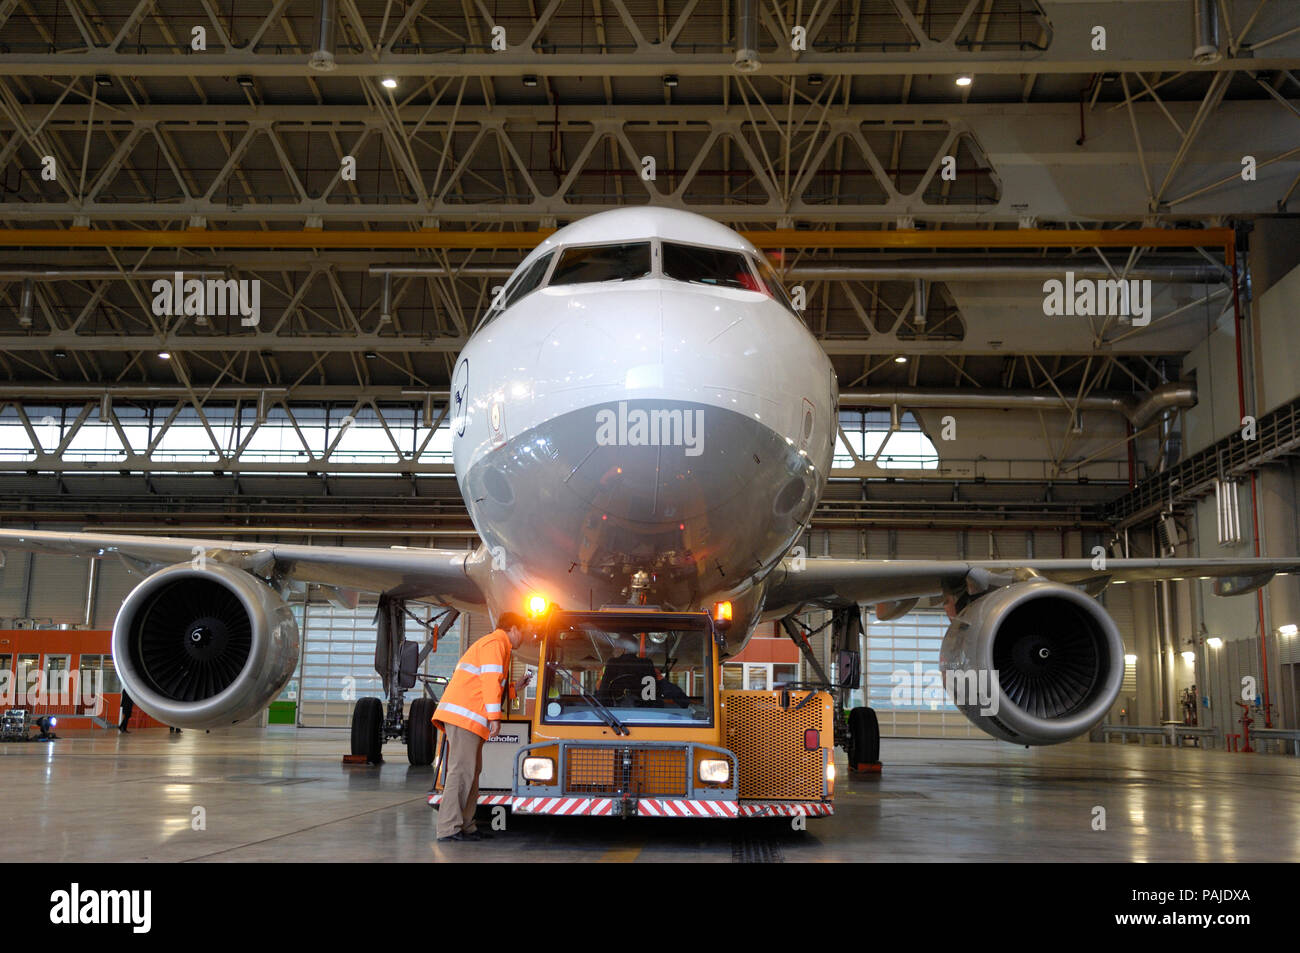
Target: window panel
x,y
594,263
715,267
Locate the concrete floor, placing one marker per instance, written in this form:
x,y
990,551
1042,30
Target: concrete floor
x,y
281,794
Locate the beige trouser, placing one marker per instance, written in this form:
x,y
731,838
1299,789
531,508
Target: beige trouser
x,y
460,783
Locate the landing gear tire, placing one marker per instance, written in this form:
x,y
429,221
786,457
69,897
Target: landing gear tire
x,y
368,729
421,736
864,738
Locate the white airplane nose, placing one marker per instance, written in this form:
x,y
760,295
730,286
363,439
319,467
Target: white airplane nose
x,y
657,438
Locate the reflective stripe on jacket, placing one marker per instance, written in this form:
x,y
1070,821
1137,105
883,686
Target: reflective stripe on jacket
x,y
473,696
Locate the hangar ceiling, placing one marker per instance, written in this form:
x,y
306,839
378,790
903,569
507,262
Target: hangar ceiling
x,y
473,150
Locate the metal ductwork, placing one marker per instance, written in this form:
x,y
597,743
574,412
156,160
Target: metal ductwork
x,y
747,36
963,270
322,58
1205,29
438,271
1138,411
27,275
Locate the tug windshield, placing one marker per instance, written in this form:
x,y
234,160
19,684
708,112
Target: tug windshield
x,y
644,671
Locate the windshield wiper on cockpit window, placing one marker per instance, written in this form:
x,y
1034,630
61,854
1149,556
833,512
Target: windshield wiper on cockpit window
x,y
607,716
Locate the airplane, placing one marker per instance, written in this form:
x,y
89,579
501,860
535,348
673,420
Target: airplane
x,y
640,418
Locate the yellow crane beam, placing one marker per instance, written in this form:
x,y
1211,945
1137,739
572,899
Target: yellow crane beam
x,y
876,240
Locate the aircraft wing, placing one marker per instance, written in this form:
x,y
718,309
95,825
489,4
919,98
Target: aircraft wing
x,y
436,575
840,582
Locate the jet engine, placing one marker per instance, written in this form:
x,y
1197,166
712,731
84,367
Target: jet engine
x,y
1034,663
202,647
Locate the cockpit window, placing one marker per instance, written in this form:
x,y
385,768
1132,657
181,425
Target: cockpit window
x,y
591,263
521,283
708,266
528,281
773,284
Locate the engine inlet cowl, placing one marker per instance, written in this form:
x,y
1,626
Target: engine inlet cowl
x,y
1046,658
204,647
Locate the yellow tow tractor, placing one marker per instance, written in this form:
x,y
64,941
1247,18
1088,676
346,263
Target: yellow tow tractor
x,y
629,720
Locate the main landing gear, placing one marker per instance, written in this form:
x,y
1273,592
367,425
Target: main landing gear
x,y
398,661
857,730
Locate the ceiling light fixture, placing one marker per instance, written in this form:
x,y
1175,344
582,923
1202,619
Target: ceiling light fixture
x,y
530,81
670,80
103,79
964,79
245,81
816,79
388,82
900,359
164,355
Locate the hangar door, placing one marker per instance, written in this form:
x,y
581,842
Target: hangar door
x,y
338,659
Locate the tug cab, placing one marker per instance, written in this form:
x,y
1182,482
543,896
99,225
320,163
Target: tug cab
x,y
629,719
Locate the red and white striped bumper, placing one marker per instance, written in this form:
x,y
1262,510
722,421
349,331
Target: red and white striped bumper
x,y
785,809
566,806
685,807
651,806
607,807
436,798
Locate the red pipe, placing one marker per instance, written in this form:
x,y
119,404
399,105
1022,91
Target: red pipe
x,y
1254,502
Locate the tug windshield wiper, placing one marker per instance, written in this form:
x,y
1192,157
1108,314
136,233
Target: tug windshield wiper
x,y
607,716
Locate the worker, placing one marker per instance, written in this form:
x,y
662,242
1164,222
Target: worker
x,y
468,715
125,712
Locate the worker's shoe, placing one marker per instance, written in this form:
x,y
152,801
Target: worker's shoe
x,y
456,836
478,835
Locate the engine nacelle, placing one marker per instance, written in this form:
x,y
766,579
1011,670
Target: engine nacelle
x,y
1040,662
203,648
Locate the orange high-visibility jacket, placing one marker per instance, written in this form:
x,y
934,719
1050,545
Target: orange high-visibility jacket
x,y
473,696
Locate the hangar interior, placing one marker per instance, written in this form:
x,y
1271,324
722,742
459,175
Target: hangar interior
x,y
916,170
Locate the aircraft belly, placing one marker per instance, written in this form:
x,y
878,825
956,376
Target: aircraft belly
x,y
705,500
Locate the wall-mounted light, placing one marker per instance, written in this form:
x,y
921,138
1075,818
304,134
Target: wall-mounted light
x,y
1130,659
1189,657
1214,642
1288,630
